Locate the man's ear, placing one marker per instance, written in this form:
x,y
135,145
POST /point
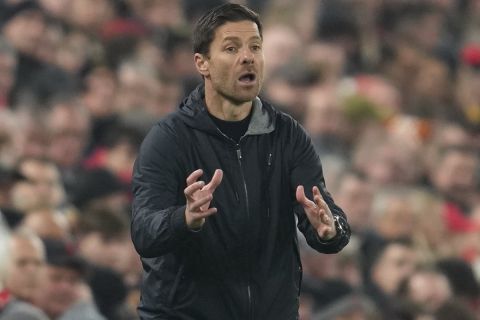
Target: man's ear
x,y
201,63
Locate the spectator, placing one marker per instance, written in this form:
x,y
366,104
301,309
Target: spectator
x,y
392,214
41,187
117,151
27,257
325,120
453,176
63,293
427,288
104,241
355,193
103,236
30,135
387,263
69,129
21,277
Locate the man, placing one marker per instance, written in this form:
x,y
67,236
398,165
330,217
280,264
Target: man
x,y
20,271
40,188
63,294
387,263
27,257
227,248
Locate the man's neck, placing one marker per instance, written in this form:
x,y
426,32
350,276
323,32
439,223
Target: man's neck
x,y
224,109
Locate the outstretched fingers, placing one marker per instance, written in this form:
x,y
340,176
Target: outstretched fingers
x,y
194,176
303,200
216,180
318,198
191,189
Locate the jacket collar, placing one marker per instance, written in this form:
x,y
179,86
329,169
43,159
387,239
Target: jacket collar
x,y
261,122
194,113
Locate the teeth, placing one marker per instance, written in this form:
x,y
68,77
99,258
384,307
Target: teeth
x,y
247,77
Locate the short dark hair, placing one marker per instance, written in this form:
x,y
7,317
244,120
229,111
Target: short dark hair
x,y
205,27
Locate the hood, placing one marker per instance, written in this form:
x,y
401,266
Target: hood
x,y
193,112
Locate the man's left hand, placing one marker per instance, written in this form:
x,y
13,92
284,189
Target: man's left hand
x,y
318,213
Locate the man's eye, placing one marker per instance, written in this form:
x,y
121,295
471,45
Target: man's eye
x,y
256,48
231,49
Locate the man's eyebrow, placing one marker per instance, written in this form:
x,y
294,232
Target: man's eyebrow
x,y
234,38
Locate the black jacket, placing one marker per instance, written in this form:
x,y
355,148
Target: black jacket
x,y
244,264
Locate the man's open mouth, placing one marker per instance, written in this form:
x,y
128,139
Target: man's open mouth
x,y
247,77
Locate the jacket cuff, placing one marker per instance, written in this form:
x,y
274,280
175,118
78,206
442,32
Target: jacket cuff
x,y
178,223
339,240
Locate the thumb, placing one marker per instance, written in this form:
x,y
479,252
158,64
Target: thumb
x,y
300,195
216,180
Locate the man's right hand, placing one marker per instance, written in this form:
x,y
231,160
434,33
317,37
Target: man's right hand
x,y
198,197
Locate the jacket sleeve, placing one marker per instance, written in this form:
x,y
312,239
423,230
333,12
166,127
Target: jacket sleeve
x,y
158,211
307,171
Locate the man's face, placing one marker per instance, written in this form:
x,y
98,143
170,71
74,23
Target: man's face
x,y
234,64
26,31
42,188
23,274
103,252
69,130
394,265
59,290
429,289
456,174
355,197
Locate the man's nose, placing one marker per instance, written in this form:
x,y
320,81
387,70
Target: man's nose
x,y
247,56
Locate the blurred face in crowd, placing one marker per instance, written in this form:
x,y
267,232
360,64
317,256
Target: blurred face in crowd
x,y
41,189
24,266
323,114
56,8
104,252
58,291
328,57
134,88
166,96
25,31
395,218
396,262
384,167
455,175
89,14
69,128
290,97
100,92
355,197
233,67
428,289
30,135
163,13
281,44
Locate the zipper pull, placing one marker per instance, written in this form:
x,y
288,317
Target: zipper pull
x,y
239,154
269,162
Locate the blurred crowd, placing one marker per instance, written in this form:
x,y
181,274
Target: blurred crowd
x,y
389,91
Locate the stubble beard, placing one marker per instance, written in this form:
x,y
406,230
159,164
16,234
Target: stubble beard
x,y
237,97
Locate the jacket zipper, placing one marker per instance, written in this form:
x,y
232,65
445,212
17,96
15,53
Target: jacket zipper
x,y
249,289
